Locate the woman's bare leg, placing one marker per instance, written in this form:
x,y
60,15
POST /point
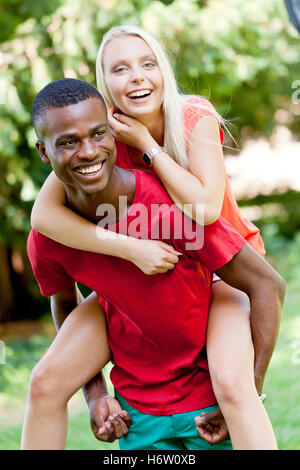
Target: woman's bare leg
x,y
79,351
231,364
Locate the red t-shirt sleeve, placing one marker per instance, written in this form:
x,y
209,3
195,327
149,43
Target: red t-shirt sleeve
x,y
51,277
213,245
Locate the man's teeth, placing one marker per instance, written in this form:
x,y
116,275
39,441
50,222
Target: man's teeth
x,y
90,169
138,93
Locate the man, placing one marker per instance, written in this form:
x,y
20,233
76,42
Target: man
x,y
156,325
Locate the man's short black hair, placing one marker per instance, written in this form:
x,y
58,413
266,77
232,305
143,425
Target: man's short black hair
x,y
59,94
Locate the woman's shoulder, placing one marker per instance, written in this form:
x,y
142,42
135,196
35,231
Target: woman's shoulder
x,y
197,105
194,108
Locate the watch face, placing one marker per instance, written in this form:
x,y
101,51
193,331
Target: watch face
x,y
147,159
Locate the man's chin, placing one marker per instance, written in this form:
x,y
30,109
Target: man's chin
x,y
92,189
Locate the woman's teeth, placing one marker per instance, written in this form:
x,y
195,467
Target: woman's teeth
x,y
139,94
89,170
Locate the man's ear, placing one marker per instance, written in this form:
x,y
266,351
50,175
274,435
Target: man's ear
x,y
41,148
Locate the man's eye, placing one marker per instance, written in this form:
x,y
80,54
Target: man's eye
x,y
68,142
99,134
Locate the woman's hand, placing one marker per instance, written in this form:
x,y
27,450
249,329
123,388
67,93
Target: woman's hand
x,y
152,256
129,130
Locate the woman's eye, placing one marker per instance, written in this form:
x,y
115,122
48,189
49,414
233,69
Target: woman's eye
x,y
120,69
148,65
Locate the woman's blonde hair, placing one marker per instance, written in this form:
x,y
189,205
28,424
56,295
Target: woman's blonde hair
x,y
174,140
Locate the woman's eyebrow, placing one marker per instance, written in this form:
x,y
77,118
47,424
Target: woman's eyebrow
x,y
124,61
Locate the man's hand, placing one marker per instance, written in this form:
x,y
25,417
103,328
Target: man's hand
x,y
108,421
211,427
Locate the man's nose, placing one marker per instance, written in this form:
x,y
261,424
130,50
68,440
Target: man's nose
x,y
88,150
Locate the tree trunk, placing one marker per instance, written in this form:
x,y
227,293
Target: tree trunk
x,y
6,288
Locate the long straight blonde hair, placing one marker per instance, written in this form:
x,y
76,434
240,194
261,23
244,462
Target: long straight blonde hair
x,y
173,101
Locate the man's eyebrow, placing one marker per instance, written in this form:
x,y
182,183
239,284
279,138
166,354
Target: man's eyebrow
x,y
98,126
64,137
73,134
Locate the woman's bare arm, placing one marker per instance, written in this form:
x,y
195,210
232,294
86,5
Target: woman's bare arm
x,y
52,218
203,183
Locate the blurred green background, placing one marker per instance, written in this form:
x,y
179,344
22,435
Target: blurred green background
x,y
243,56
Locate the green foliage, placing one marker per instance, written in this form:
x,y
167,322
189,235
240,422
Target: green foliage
x,y
21,356
244,56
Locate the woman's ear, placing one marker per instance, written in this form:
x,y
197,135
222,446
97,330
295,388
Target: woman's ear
x,y
41,148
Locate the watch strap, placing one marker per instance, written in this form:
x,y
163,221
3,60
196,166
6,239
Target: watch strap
x,y
151,153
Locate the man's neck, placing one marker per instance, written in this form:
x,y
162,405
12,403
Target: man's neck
x,y
121,183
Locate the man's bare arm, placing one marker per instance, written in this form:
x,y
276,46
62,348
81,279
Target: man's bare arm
x,y
63,303
250,273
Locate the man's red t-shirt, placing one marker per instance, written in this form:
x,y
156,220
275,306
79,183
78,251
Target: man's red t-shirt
x,y
156,324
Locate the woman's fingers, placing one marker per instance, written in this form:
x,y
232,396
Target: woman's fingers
x,y
170,248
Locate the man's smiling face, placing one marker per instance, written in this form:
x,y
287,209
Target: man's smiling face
x,y
76,140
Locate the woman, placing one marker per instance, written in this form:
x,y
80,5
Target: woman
x,y
146,110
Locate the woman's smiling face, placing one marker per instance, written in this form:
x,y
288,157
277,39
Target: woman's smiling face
x,y
133,76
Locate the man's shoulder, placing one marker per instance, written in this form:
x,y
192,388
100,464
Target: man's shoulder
x,y
150,189
40,244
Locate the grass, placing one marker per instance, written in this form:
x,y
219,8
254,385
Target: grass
x,y
282,386
282,383
21,356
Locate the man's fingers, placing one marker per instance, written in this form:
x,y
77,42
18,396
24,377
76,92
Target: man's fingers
x,y
110,431
206,418
98,427
126,417
120,427
204,434
100,432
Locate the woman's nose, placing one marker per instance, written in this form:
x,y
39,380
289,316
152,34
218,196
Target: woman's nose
x,y
137,75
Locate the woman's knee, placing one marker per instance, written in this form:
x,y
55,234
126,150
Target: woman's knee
x,y
229,387
45,385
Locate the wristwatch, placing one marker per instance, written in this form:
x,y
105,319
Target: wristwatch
x,y
150,154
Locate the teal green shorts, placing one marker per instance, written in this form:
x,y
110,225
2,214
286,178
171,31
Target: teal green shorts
x,y
172,432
